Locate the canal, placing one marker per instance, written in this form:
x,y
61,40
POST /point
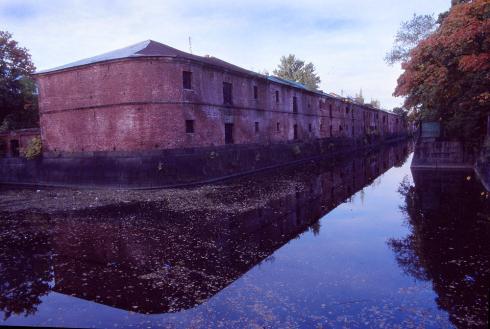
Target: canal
x,y
359,242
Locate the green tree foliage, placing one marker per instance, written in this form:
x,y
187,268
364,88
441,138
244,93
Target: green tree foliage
x,y
33,150
447,77
294,69
408,36
18,99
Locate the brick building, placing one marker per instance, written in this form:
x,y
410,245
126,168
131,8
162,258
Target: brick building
x,y
151,96
152,116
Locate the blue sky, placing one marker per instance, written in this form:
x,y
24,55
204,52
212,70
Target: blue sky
x,y
345,39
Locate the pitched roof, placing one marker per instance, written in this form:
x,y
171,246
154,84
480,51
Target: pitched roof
x,y
149,48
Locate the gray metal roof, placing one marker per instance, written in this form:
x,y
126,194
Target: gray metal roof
x,y
149,48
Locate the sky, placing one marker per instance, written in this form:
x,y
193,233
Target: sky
x,y
345,39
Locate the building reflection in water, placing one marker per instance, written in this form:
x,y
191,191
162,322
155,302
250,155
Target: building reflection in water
x,y
147,258
449,219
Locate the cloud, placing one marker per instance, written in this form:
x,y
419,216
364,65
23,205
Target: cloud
x,y
346,40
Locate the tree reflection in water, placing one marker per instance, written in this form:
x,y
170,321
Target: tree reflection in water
x,y
449,219
25,263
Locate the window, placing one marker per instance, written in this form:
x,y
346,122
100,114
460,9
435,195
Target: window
x,y
228,133
278,127
14,148
320,104
330,110
277,96
189,126
256,92
309,127
295,104
330,130
3,148
227,93
340,128
321,126
295,127
256,127
347,109
187,79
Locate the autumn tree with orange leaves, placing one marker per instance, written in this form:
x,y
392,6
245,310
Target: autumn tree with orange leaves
x,y
447,75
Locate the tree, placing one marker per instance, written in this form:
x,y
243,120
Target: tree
x,y
18,101
408,36
447,77
295,69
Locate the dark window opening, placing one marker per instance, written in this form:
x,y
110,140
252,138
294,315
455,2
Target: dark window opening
x,y
309,105
227,93
330,110
353,131
256,92
278,127
309,127
341,128
295,104
256,127
320,104
277,96
347,109
14,148
321,126
229,133
189,126
295,127
330,130
187,79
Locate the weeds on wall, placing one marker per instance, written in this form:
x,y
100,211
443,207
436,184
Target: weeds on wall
x,y
33,150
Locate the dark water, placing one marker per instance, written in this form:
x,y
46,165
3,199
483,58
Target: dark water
x,y
359,243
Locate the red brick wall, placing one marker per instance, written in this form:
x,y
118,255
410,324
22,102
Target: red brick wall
x,y
140,104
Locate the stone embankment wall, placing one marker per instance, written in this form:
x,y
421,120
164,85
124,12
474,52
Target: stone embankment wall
x,y
177,167
431,153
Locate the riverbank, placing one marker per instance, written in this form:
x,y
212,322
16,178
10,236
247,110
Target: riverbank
x,y
173,168
237,194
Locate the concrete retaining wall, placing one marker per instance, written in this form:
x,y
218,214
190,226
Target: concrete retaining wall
x,y
431,153
167,167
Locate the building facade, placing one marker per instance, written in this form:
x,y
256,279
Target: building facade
x,y
150,96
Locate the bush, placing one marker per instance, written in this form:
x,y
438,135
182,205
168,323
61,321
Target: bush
x,y
33,150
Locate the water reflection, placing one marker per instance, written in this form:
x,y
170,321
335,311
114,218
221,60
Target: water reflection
x,y
148,258
25,264
448,215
